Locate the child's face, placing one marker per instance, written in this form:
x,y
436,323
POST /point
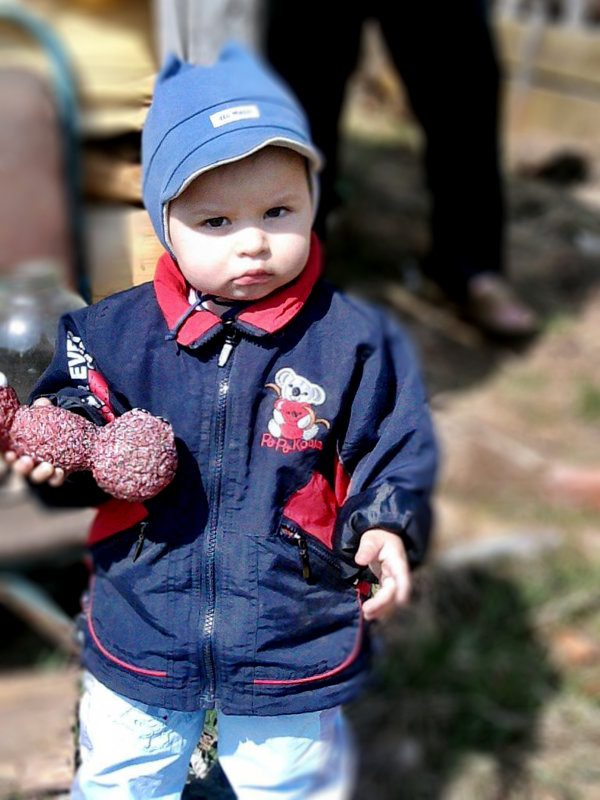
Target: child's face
x,y
242,230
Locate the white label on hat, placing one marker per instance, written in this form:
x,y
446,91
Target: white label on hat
x,y
234,114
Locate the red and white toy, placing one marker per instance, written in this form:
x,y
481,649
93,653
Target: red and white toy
x,y
132,458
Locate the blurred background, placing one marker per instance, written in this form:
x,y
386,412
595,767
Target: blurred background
x,y
490,680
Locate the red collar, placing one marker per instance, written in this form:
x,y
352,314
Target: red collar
x,y
265,316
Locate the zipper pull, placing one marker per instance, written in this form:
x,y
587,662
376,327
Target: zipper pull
x,y
140,541
231,339
225,353
304,559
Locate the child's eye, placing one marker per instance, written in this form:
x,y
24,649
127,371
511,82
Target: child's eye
x,y
215,222
276,212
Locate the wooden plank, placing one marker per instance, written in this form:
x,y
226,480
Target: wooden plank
x,y
104,123
122,248
110,178
37,747
111,47
559,56
566,120
37,609
552,87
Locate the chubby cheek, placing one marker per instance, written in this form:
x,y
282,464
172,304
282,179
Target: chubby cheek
x,y
196,276
294,254
201,264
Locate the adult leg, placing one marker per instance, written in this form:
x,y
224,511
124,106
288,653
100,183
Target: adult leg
x,y
289,757
314,46
446,57
132,751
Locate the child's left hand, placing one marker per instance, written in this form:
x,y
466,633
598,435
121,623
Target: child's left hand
x,y
36,471
383,552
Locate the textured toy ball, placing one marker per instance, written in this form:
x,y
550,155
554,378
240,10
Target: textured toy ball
x,y
9,403
132,458
55,435
135,456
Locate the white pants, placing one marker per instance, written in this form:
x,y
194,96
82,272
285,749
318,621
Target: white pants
x,y
132,751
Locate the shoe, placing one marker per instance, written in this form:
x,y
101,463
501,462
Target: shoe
x,y
493,306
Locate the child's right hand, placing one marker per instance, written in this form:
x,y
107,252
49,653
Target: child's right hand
x,y
36,471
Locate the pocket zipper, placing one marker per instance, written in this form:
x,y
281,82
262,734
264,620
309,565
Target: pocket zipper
x,y
300,540
140,541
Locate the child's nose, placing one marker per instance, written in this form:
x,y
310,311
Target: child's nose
x,y
252,241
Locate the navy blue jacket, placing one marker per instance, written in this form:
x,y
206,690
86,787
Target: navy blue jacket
x,y
300,424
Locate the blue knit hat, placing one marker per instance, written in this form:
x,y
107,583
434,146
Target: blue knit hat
x,y
205,116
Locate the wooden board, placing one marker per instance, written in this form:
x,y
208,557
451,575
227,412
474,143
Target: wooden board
x,y
37,716
558,56
111,47
122,248
552,90
107,177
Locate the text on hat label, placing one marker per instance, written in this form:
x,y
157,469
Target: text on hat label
x,y
234,114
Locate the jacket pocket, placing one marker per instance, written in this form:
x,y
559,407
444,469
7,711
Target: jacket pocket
x,y
115,516
310,627
315,561
315,506
126,617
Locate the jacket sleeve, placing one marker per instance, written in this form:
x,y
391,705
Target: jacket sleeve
x,y
66,382
72,379
389,451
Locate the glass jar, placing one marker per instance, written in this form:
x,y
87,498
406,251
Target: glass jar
x,y
32,299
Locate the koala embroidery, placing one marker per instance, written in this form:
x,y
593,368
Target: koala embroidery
x,y
294,424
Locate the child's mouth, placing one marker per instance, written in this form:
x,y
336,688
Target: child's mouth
x,y
252,278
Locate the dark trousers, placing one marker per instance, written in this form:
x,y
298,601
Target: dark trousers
x,y
445,55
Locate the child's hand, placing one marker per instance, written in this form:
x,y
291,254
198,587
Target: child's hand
x,y
383,552
36,471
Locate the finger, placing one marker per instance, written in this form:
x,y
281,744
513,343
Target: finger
x,y
58,478
396,568
42,401
41,472
23,465
382,603
403,586
9,456
367,551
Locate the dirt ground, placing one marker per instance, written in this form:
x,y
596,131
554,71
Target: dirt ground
x,y
489,684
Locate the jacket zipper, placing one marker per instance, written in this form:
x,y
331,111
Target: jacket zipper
x,y
224,364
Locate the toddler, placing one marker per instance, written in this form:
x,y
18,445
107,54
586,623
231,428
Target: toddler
x,y
306,463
